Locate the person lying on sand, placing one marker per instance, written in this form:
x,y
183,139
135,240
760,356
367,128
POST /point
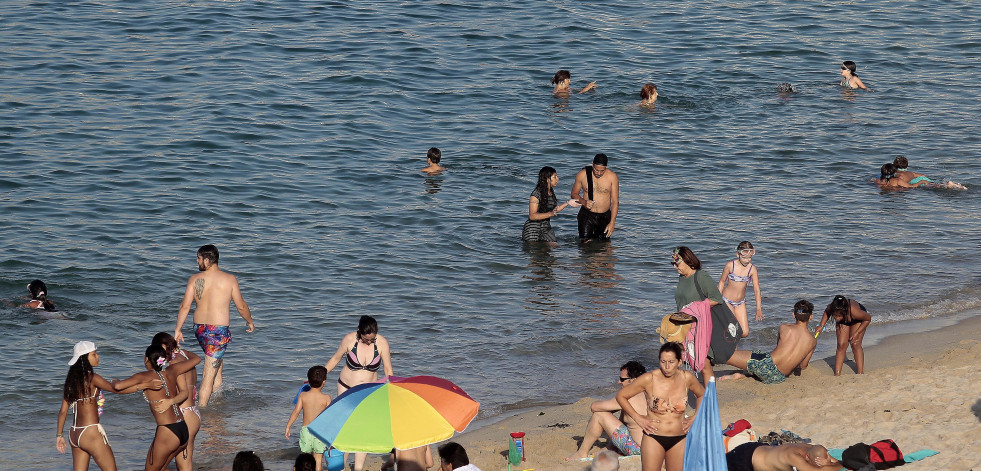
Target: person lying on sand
x,y
755,456
623,431
795,345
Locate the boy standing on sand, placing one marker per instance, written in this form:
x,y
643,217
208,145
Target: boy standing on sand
x,y
795,345
211,290
312,403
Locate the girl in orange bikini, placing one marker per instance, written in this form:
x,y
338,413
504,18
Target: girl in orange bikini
x,y
665,424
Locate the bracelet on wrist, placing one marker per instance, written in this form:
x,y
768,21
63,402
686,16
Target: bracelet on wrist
x,y
60,435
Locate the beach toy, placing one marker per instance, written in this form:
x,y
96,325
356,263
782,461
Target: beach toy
x,y
335,459
401,413
516,449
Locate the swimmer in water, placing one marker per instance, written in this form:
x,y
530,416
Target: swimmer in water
x,y
432,161
648,94
39,297
889,181
902,172
849,78
561,81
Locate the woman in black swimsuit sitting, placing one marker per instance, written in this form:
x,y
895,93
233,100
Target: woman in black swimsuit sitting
x,y
666,424
363,352
164,405
851,320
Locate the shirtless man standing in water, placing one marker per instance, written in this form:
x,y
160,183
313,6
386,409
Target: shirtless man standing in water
x,y
600,200
212,290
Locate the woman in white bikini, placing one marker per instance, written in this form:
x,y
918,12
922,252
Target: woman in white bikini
x,y
83,394
736,276
188,381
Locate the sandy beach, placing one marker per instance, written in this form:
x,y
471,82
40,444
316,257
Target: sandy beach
x,y
920,389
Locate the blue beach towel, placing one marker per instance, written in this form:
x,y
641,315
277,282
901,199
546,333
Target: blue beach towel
x,y
704,450
909,458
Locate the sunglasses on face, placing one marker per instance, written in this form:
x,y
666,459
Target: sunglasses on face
x,y
622,379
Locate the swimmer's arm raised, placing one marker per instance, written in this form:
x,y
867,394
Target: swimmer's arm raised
x,y
591,86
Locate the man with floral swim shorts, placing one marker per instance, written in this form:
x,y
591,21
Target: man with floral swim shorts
x,y
624,433
795,345
211,290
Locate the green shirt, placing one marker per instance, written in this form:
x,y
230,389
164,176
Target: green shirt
x,y
686,292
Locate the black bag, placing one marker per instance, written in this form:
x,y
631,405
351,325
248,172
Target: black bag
x,y
726,330
883,454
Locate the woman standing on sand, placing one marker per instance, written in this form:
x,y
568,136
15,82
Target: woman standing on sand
x,y
665,425
851,320
363,352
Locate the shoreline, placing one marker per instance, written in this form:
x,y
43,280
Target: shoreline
x,y
919,389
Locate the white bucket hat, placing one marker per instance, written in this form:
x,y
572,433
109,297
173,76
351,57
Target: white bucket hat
x,y
82,348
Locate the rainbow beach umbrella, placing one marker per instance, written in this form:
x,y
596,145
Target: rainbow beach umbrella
x,y
402,413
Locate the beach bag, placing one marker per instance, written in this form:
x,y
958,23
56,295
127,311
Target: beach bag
x,y
726,331
675,327
335,459
746,436
883,454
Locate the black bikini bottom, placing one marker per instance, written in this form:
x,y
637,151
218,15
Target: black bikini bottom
x,y
342,383
180,430
666,442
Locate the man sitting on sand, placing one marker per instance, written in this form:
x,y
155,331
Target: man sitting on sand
x,y
795,345
755,456
605,460
624,433
432,161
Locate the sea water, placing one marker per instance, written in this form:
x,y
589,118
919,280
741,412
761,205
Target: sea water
x,y
291,134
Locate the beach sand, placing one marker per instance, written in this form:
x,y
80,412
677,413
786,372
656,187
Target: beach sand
x,y
921,390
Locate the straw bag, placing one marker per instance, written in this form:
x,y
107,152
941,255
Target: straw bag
x,y
675,327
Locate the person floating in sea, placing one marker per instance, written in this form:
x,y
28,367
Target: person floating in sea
x,y
624,433
888,180
211,290
849,78
311,403
851,321
755,456
903,173
736,276
432,161
39,296
542,206
597,189
561,81
648,94
795,345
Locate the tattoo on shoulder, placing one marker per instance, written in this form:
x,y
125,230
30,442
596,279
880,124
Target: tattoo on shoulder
x,y
198,288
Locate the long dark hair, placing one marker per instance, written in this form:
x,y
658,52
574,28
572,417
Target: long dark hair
x,y
39,291
543,190
79,379
155,353
167,341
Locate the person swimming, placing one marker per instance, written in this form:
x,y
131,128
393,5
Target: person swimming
x,y
561,81
39,296
648,94
849,78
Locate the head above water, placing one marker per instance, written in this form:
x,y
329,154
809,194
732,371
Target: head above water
x,y
600,159
434,155
367,326
560,76
208,253
803,310
634,369
685,254
887,171
850,66
647,91
38,290
901,162
785,88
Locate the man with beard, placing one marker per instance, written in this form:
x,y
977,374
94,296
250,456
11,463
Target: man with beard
x,y
212,290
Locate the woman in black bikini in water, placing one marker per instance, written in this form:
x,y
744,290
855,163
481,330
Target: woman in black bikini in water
x,y
363,351
665,425
172,435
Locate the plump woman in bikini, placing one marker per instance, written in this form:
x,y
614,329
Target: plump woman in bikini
x,y
665,424
172,434
851,320
735,278
188,381
83,394
364,351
